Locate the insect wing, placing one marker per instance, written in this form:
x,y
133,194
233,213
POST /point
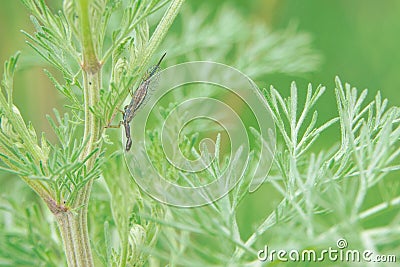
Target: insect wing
x,y
146,88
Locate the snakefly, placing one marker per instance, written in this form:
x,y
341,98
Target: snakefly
x,y
138,98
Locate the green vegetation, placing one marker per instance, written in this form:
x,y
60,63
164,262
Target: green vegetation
x,y
333,176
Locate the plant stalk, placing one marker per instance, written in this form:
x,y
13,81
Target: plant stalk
x,y
73,224
74,245
160,31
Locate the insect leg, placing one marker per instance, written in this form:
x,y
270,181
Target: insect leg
x,y
113,126
128,136
112,118
128,144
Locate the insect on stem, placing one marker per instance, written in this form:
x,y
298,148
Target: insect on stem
x,y
138,98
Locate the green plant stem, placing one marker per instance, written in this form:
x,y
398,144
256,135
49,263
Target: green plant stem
x,y
73,225
160,31
124,250
74,245
12,113
156,38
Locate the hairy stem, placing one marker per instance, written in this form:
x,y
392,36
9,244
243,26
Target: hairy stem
x,y
72,233
160,31
73,225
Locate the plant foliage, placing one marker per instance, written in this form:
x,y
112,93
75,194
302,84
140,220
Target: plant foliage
x,y
322,194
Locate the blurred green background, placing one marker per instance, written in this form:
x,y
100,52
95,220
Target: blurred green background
x,y
359,41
